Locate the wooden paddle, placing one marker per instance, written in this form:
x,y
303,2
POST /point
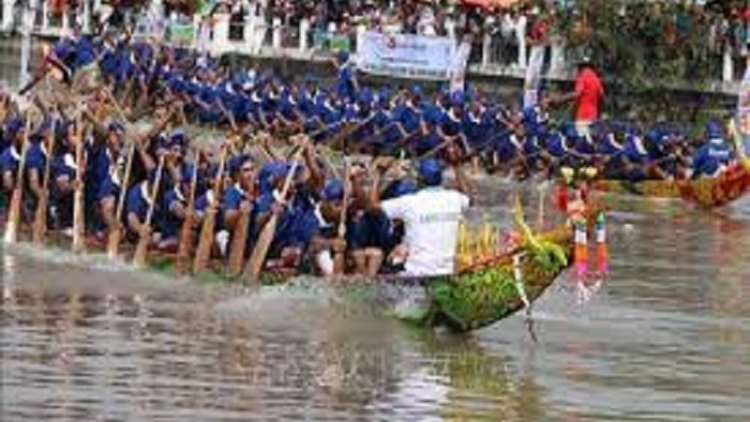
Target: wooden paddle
x,y
206,238
185,246
14,211
239,243
255,264
40,218
140,258
115,233
79,202
341,232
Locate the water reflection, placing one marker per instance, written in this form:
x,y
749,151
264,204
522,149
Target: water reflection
x,y
666,338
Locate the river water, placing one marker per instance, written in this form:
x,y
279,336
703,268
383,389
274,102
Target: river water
x,y
665,338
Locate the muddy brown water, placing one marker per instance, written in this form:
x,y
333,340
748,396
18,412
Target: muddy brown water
x,y
665,338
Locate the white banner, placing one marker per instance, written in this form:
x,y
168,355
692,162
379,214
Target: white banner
x,y
408,56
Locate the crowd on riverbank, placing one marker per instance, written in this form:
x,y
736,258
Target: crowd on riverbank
x,y
661,40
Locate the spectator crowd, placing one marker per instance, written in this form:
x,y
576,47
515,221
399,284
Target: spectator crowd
x,y
690,40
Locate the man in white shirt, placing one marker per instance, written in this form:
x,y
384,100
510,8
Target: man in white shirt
x,y
431,218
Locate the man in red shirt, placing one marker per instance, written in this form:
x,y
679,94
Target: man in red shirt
x,y
588,95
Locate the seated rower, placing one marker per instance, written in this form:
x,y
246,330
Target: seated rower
x,y
36,160
10,159
714,156
327,248
431,219
297,221
238,202
64,173
137,205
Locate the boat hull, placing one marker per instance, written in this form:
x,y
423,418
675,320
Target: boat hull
x,y
705,193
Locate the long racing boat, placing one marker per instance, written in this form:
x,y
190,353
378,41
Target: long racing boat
x,y
476,296
707,193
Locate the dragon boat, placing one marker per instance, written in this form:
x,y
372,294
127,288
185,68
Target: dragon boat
x,y
705,193
478,295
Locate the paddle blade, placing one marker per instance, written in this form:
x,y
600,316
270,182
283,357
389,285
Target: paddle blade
x,y
205,242
239,242
140,258
113,243
40,220
255,264
185,247
14,218
79,221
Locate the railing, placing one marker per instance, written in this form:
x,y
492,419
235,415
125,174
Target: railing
x,y
494,54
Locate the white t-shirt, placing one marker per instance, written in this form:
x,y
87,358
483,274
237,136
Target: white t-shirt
x,y
431,218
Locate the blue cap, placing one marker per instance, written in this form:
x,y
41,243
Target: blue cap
x,y
654,136
179,138
115,126
416,90
15,125
342,56
334,190
236,163
404,187
365,96
431,172
713,130
457,99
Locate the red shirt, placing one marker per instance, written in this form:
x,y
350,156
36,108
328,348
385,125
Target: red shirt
x,y
590,91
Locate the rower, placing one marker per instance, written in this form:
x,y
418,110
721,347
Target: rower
x,y
714,156
327,249
36,160
431,218
298,223
10,158
239,198
65,172
138,202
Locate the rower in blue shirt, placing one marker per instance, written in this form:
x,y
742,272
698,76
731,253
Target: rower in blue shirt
x,y
346,80
10,157
714,156
239,198
137,204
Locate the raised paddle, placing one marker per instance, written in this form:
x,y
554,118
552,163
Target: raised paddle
x,y
14,211
79,202
206,238
341,232
115,233
185,245
140,258
40,219
255,264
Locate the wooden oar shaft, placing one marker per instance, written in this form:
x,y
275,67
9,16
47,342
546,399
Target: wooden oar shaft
x,y
79,218
141,251
206,239
40,220
185,246
14,212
